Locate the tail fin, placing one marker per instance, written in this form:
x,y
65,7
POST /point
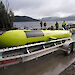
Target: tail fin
x,y
71,30
63,29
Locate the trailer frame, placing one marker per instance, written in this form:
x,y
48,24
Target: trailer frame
x,y
21,54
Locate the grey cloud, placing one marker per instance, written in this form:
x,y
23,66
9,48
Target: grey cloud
x,y
41,8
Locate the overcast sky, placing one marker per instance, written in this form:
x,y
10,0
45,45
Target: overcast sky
x,y
42,8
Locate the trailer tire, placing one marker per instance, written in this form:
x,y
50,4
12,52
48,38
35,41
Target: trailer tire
x,y
68,52
73,47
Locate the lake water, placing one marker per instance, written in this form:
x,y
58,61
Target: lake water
x,y
32,25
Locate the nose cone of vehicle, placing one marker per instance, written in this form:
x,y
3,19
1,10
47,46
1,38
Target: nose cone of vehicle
x,y
12,38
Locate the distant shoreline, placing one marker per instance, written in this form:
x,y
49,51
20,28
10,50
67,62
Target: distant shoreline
x,y
24,19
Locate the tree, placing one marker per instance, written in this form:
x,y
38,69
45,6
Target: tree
x,y
11,18
6,18
2,12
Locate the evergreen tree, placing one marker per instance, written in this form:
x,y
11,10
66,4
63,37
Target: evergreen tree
x,y
6,19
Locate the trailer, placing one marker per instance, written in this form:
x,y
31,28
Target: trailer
x,y
21,54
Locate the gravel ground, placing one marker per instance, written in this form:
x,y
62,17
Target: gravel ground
x,y
69,71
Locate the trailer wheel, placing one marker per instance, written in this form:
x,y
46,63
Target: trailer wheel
x,y
73,46
70,49
68,52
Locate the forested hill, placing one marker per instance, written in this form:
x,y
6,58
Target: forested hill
x,y
24,19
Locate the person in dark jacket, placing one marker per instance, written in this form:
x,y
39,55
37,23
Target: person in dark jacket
x,y
45,24
41,23
57,25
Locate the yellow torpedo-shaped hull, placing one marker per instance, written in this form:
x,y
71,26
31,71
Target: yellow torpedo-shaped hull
x,y
22,37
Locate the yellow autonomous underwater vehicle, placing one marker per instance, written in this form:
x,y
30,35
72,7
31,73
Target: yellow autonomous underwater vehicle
x,y
21,37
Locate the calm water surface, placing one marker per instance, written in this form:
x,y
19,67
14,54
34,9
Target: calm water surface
x,y
32,25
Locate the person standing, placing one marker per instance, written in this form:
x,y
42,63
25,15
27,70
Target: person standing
x,y
45,24
41,23
64,24
57,25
